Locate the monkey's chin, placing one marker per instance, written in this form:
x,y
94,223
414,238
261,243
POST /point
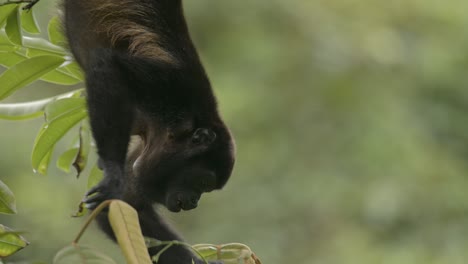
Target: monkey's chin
x,y
178,206
174,209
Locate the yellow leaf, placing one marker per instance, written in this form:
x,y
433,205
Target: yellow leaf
x,y
124,221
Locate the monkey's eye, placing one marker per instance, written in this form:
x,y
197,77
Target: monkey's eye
x,y
203,136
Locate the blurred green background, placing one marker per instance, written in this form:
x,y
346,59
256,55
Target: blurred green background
x,y
351,122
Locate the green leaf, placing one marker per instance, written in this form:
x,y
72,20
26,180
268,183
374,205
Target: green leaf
x,y
55,32
10,242
39,46
5,43
26,72
60,76
41,131
63,107
95,176
9,59
75,70
76,254
124,222
65,161
85,142
53,132
44,164
28,22
7,200
33,109
12,27
77,156
5,12
228,253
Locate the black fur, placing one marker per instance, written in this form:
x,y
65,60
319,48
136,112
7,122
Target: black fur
x,y
144,78
152,223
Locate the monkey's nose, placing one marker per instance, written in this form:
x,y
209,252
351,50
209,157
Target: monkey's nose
x,y
194,202
203,136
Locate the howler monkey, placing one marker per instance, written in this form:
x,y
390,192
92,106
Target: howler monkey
x,y
144,78
152,223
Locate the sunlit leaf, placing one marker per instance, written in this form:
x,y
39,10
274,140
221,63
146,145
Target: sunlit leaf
x,y
229,253
12,27
5,43
7,200
124,221
55,32
65,161
33,109
26,72
84,145
34,52
60,76
9,59
63,107
39,46
10,242
81,211
5,12
29,23
41,131
75,70
76,254
44,164
53,132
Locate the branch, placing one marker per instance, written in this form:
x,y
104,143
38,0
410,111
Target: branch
x,y
30,3
91,217
152,242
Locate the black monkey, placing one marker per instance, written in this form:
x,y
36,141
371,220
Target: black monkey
x,y
144,77
151,222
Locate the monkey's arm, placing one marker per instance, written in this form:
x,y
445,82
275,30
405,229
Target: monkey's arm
x,y
110,108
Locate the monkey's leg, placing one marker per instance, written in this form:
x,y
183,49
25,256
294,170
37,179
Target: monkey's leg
x,y
110,106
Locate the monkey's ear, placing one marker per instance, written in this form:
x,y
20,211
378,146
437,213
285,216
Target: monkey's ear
x,y
203,136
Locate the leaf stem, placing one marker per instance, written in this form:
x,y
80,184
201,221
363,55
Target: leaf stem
x,y
177,243
91,217
156,257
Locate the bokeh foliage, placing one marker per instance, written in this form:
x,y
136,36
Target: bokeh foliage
x,y
351,125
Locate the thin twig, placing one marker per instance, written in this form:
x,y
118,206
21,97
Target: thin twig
x,y
177,243
91,217
156,257
30,3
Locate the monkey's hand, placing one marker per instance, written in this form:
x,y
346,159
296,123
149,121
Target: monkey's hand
x,y
111,187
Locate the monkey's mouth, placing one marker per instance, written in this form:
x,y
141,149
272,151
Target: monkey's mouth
x,y
175,205
178,205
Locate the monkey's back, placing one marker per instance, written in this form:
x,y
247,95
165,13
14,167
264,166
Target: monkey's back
x,y
137,27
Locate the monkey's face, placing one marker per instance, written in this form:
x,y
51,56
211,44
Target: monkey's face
x,y
185,190
188,167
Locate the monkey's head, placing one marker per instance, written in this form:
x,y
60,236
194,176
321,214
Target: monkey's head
x,y
185,165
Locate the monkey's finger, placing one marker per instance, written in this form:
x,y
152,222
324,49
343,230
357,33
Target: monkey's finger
x,y
94,190
96,198
91,206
